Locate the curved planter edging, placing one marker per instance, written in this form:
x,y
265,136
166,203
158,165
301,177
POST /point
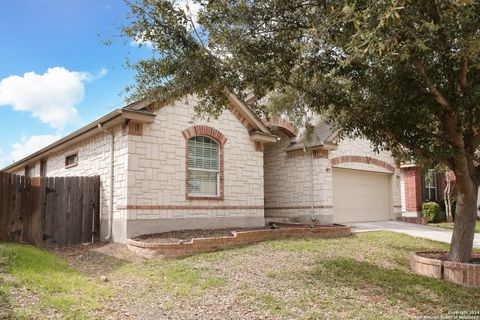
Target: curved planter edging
x,y
465,274
425,266
239,239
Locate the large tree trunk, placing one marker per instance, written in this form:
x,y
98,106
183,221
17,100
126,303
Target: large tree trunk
x,y
465,218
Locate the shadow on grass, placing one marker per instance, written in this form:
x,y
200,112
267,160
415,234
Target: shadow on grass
x,y
396,285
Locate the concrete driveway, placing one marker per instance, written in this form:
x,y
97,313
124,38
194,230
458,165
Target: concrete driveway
x,y
414,230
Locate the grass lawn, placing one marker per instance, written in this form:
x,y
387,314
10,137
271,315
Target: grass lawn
x,y
365,276
449,225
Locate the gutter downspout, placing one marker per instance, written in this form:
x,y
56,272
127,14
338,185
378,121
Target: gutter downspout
x,y
112,155
312,196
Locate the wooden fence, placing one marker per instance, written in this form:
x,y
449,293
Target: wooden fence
x,y
49,212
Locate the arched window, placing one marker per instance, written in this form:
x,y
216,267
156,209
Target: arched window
x,y
203,166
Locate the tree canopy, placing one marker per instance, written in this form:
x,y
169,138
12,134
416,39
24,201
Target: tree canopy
x,y
404,74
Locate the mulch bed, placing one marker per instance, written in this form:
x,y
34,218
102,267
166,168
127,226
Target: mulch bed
x,y
443,256
188,235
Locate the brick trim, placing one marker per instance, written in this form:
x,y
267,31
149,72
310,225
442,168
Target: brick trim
x,y
320,154
183,207
283,125
362,159
202,130
299,207
238,239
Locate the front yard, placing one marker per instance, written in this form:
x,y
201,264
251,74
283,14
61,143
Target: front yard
x,y
366,276
449,225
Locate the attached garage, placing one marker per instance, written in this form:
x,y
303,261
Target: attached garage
x,y
360,196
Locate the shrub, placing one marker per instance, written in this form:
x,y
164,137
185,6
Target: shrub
x,y
431,211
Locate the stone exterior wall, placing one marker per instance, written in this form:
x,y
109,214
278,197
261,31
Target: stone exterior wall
x,y
94,159
157,199
288,178
288,184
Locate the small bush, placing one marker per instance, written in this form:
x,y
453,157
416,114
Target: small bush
x,y
431,211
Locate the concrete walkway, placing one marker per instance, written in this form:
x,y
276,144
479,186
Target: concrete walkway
x,y
414,230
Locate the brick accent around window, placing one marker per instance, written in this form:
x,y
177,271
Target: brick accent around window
x,y
132,128
413,188
202,130
362,159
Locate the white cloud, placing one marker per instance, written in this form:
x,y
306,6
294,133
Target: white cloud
x,y
188,6
51,97
29,145
140,41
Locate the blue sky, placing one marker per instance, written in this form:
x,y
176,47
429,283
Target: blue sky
x,y
56,75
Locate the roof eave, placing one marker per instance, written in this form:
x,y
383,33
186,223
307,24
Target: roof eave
x,y
110,120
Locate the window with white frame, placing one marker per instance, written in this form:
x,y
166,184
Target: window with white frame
x,y
203,167
430,185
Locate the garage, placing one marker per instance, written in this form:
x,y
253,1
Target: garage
x,y
360,196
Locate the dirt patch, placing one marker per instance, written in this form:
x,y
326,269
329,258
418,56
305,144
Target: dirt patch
x,y
188,235
97,258
443,256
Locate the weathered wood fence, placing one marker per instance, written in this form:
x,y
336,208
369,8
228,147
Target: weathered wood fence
x,y
49,212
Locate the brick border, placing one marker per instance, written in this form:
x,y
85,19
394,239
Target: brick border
x,y
364,160
182,207
465,274
239,239
427,267
202,130
416,220
299,207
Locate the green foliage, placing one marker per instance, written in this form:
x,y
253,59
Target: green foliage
x,y
403,74
390,71
431,211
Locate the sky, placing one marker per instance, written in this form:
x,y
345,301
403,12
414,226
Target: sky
x,y
56,75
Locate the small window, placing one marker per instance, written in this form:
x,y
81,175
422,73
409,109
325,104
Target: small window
x,y
203,166
30,171
71,160
430,185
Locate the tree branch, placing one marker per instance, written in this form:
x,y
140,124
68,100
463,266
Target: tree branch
x,y
462,81
433,89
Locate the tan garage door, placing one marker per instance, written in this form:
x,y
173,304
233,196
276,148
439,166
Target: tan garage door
x,y
360,196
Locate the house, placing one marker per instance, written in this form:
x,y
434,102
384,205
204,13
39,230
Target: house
x,y
164,170
322,178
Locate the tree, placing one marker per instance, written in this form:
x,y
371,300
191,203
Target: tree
x,y
404,74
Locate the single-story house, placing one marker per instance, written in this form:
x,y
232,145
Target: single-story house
x,y
166,169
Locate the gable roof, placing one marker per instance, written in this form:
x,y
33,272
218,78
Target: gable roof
x,y
323,134
239,108
139,111
110,120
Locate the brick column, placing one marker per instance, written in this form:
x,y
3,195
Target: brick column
x,y
413,189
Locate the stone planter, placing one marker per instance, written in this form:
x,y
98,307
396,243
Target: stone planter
x,y
465,274
425,266
239,239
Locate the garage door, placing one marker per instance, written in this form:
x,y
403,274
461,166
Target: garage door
x,y
360,196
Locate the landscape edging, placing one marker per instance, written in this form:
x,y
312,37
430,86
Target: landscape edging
x,y
238,239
